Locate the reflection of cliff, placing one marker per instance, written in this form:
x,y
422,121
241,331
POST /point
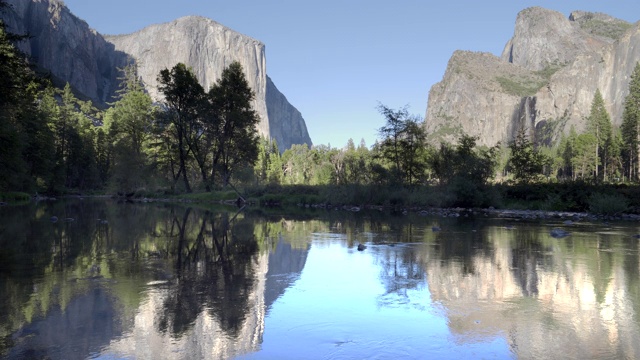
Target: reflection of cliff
x,y
547,302
285,265
206,337
225,333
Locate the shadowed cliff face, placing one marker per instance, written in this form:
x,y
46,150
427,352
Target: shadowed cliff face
x,y
65,46
548,73
71,51
285,121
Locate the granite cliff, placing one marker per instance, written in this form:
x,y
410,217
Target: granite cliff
x,y
543,82
67,48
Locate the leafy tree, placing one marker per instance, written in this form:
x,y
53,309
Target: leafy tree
x,y
356,163
233,123
262,161
129,122
268,166
296,165
464,169
403,144
74,129
527,163
183,98
631,124
274,170
391,134
599,124
413,152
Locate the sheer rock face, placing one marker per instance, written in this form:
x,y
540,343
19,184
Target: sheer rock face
x,y
65,46
291,128
470,100
72,52
546,38
203,45
547,75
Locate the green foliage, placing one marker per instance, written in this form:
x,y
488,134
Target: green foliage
x,y
631,125
25,138
611,29
464,170
213,196
297,165
520,86
214,132
527,162
233,122
403,145
184,97
14,196
599,125
607,204
548,71
128,125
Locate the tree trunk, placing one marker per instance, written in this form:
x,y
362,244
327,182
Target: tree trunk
x,y
597,145
183,161
637,150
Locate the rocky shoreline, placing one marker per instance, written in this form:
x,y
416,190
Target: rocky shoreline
x,y
432,211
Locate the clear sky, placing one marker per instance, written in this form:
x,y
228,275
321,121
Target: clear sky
x,y
335,60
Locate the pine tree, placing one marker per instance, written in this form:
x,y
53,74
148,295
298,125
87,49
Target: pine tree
x,y
631,124
526,161
17,113
128,125
599,124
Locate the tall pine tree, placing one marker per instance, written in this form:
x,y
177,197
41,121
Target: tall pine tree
x,y
599,124
631,124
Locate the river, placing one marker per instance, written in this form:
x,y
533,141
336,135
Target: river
x,y
95,278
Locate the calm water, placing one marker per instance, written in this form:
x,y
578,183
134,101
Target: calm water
x,y
155,281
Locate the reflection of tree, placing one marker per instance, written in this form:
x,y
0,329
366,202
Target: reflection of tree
x,y
35,253
631,266
527,254
213,261
401,269
463,248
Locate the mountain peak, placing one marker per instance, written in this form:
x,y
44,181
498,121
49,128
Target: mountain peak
x,y
544,82
544,38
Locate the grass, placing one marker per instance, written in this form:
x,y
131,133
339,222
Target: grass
x,y
604,199
570,196
520,87
14,197
612,30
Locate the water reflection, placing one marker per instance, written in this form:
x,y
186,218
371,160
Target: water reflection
x,y
159,281
143,281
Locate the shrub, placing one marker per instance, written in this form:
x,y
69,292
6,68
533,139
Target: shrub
x,y
608,204
14,196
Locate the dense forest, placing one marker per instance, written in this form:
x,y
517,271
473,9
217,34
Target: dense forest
x,y
201,140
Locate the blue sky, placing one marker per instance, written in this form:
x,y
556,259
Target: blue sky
x,y
335,60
